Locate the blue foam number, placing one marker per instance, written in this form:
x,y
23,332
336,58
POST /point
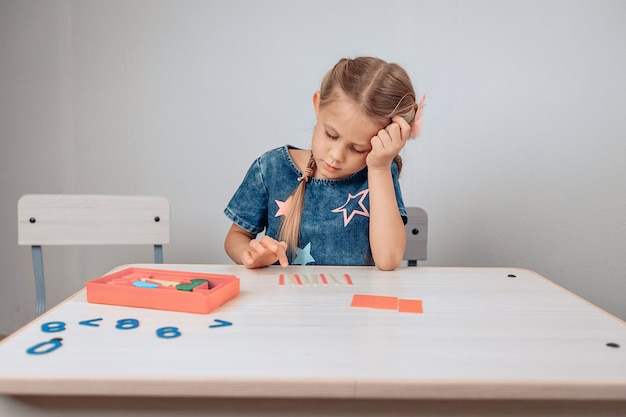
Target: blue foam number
x,y
53,327
53,344
126,324
168,332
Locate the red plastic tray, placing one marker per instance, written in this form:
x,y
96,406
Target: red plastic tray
x,y
119,288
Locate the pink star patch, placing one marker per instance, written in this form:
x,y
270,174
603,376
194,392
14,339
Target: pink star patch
x,y
362,211
283,207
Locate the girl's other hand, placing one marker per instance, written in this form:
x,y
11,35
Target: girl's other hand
x,y
388,143
264,252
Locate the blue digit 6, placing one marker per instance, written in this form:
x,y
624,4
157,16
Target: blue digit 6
x,y
168,332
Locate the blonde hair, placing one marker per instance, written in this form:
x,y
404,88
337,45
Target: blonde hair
x,y
382,90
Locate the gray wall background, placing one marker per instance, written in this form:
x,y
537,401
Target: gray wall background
x,y
522,162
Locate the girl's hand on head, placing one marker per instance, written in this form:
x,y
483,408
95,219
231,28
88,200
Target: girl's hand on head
x,y
388,143
264,252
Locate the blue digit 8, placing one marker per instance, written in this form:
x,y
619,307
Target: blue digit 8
x,y
126,324
168,332
53,327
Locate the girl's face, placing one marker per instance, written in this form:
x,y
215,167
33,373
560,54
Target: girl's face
x,y
341,138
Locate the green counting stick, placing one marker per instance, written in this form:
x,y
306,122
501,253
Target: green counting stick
x,y
194,283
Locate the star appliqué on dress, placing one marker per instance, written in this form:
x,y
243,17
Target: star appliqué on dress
x,y
283,207
361,209
303,256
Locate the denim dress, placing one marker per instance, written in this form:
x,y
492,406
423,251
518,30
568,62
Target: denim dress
x,y
334,229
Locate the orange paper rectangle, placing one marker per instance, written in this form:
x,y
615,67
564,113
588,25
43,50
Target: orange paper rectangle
x,y
361,300
385,303
410,306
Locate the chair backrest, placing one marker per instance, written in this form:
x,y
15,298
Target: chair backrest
x,y
416,235
70,219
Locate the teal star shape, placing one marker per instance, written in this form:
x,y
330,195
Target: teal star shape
x,y
303,256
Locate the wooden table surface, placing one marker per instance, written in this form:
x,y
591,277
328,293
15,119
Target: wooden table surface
x,y
485,333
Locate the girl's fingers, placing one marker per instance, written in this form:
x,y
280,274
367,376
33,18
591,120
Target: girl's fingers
x,y
278,250
281,253
404,129
247,259
256,247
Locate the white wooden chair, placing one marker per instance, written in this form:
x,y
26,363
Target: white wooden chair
x,y
416,235
63,219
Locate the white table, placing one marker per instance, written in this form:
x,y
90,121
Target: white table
x,y
490,340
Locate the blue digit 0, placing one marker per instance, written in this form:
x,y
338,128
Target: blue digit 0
x,y
54,344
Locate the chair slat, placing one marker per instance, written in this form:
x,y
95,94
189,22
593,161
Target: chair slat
x,y
65,219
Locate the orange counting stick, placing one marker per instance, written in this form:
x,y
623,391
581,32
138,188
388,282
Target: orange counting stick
x,y
348,279
165,283
297,278
281,279
323,278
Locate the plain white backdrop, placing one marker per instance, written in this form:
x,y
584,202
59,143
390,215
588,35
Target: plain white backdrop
x,y
522,162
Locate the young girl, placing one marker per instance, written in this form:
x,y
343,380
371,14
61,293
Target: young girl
x,y
338,203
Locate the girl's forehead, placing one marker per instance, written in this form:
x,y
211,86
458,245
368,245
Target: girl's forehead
x,y
347,118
